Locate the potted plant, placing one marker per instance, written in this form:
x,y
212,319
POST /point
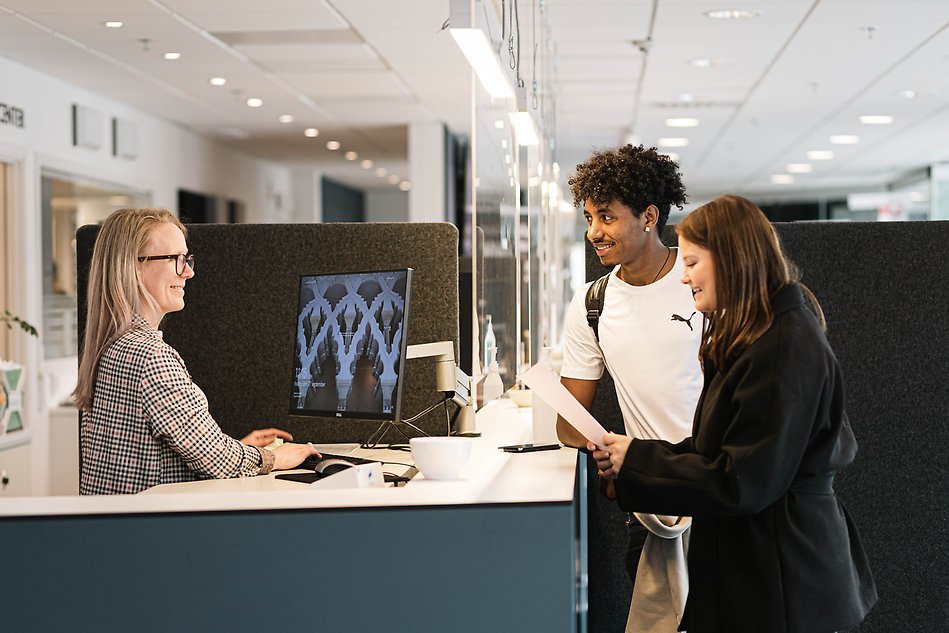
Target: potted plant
x,y
11,383
10,319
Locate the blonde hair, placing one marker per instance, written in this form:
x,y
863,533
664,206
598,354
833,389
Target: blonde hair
x,y
116,292
750,267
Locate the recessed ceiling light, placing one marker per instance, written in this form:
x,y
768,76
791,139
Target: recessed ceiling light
x,y
113,24
799,168
672,156
499,124
405,185
686,97
351,155
844,139
366,164
285,118
701,62
311,132
381,171
172,56
682,122
254,102
876,119
820,154
393,179
217,81
332,145
782,179
732,14
674,141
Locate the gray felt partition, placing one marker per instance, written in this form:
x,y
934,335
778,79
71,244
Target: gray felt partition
x,y
236,333
882,287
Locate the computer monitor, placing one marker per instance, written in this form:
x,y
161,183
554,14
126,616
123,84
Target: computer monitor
x,y
351,332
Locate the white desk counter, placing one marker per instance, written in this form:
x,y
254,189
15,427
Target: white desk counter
x,y
503,549
492,476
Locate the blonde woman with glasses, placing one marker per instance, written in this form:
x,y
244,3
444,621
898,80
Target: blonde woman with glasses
x,y
144,422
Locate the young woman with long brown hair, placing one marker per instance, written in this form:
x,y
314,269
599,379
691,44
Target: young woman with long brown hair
x,y
144,422
772,548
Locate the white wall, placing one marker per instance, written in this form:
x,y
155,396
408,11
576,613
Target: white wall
x,y
387,205
170,157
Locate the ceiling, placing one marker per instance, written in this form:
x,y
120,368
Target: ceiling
x,y
360,71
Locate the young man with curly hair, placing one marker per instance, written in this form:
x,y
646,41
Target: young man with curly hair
x,y
649,332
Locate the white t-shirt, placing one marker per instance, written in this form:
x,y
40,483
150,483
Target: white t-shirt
x,y
652,356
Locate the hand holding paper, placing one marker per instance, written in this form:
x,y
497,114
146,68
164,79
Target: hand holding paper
x,y
547,386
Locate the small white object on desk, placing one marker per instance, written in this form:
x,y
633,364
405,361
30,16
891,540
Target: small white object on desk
x,y
357,476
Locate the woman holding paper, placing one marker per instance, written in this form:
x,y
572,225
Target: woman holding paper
x,y
772,548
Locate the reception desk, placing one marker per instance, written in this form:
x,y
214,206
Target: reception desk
x,y
502,549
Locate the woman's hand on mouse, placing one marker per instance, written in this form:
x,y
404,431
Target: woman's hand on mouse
x,y
287,456
264,437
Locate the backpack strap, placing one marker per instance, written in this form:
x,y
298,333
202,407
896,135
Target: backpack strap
x,y
596,296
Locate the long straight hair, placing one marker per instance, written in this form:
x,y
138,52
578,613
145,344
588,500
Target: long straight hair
x,y
116,292
750,267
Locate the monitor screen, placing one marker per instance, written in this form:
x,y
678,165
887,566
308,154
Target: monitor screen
x,y
351,332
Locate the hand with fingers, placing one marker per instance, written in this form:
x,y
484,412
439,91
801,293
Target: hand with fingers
x,y
264,437
609,460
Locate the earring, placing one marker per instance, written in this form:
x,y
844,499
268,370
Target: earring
x,y
647,229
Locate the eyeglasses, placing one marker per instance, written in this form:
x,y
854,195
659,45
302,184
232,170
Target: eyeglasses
x,y
180,261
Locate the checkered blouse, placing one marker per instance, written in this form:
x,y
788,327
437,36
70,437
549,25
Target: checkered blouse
x,y
150,424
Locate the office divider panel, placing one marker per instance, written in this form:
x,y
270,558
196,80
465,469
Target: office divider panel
x,y
881,288
244,298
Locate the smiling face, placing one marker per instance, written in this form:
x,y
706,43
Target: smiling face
x,y
699,274
617,235
159,276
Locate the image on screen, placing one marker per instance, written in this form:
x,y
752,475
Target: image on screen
x,y
350,344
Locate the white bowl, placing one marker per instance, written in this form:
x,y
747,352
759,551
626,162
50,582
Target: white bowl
x,y
440,457
521,397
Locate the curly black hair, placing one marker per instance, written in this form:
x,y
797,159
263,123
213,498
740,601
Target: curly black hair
x,y
636,176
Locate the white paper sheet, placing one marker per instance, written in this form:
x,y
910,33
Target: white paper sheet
x,y
547,386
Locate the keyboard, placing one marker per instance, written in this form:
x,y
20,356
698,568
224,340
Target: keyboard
x,y
311,462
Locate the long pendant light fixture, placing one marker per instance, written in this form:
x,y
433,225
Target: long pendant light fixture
x,y
477,50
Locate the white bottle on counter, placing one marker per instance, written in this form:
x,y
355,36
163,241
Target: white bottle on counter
x,y
489,341
492,387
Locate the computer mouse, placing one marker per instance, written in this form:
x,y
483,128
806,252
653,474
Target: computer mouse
x,y
332,466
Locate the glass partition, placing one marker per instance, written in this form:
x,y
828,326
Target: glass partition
x,y
521,259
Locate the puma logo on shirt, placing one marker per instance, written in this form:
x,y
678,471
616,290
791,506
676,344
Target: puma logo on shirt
x,y
676,317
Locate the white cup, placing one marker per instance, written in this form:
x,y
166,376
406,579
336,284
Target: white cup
x,y
544,422
440,457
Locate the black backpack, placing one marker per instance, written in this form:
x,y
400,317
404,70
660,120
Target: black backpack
x,y
596,296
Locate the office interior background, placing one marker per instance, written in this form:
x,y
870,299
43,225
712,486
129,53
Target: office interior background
x,y
370,111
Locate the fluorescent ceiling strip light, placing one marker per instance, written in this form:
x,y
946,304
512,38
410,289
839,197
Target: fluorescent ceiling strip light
x,y
844,139
876,119
799,168
474,45
674,141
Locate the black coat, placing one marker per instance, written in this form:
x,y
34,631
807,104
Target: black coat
x,y
772,549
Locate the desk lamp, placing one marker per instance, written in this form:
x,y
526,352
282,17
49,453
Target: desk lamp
x,y
449,379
